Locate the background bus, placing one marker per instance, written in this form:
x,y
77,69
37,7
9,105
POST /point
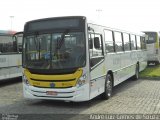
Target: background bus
x,y
67,58
153,47
10,55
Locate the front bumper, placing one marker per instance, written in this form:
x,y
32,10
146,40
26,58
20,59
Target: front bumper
x,y
65,94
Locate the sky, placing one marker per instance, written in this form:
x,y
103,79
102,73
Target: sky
x,y
130,15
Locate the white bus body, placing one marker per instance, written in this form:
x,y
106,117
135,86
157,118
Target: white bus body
x,y
10,56
111,57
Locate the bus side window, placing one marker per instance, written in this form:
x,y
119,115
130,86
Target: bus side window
x,y
126,41
118,41
133,42
8,44
138,42
143,43
90,42
109,46
95,49
19,42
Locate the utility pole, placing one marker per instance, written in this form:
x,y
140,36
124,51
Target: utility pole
x,y
11,18
99,15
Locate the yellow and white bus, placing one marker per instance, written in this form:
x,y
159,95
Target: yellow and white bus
x,y
10,55
153,47
67,58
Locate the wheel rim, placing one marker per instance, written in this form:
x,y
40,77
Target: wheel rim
x,y
109,86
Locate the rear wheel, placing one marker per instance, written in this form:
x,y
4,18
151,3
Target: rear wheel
x,y
108,87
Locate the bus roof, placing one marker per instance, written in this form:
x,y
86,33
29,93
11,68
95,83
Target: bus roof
x,y
119,30
109,28
52,18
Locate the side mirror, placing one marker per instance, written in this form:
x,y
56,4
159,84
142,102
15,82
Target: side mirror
x,y
96,43
18,41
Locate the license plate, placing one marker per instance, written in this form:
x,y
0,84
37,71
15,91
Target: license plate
x,y
51,93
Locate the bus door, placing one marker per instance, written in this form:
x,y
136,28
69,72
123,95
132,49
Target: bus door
x,y
97,64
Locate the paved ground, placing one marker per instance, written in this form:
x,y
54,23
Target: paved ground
x,y
130,97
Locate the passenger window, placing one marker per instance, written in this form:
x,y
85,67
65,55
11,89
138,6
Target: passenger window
x,y
133,42
98,43
118,41
138,43
143,43
8,44
95,49
109,46
20,44
126,41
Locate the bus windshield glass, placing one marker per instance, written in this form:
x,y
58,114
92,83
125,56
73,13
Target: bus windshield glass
x,y
57,50
151,37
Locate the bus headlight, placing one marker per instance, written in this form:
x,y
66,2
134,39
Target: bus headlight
x,y
25,80
82,80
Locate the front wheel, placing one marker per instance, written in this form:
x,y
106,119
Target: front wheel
x,y
108,87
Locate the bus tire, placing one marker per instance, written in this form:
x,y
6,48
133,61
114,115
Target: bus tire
x,y
108,87
136,76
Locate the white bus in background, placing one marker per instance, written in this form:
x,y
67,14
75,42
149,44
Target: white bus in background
x,y
67,58
153,47
10,55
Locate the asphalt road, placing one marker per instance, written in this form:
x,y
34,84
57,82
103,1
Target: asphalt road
x,y
130,97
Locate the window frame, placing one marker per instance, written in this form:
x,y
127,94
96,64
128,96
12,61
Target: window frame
x,y
129,42
135,43
122,47
113,41
14,45
139,42
143,42
101,58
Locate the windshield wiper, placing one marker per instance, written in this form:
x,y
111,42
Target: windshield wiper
x,y
61,41
35,42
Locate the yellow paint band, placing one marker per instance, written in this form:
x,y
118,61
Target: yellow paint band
x,y
59,81
157,41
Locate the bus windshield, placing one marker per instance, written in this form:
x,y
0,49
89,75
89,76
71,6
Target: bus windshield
x,y
59,50
151,37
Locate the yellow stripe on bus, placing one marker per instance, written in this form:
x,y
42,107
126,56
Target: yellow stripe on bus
x,y
157,41
68,80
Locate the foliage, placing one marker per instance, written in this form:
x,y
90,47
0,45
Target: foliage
x,y
151,71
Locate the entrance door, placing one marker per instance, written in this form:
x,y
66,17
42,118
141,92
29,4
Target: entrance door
x,y
97,64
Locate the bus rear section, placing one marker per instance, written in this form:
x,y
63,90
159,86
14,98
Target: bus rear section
x,y
153,47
